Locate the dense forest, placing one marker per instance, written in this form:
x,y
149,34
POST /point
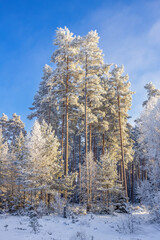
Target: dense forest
x,y
82,150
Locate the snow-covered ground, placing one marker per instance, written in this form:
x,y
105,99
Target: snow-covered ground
x,y
89,227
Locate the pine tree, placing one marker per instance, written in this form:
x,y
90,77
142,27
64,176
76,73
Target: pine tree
x,y
148,152
18,155
106,179
45,162
3,169
42,105
119,139
15,126
88,173
91,59
151,91
68,71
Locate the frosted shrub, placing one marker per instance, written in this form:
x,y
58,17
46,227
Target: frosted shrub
x,y
58,204
81,236
33,221
156,208
127,225
42,209
77,210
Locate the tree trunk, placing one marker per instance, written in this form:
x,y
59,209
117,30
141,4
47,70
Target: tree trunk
x,y
73,160
86,139
80,187
123,171
90,138
31,198
49,116
94,148
66,147
132,192
49,200
62,133
86,149
103,145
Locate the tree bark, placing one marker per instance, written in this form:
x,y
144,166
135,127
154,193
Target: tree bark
x,y
103,145
49,116
66,147
132,192
90,137
73,160
123,171
86,149
62,133
86,139
80,187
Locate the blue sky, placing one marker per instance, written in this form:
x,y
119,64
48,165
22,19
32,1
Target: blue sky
x,y
129,34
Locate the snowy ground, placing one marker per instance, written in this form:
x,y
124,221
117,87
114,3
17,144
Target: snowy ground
x,y
89,227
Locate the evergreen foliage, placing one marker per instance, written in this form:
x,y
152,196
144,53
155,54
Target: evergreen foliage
x,y
80,146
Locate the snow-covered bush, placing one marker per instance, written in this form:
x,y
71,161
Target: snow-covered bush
x,y
77,209
127,225
120,204
81,236
33,221
42,209
155,210
58,205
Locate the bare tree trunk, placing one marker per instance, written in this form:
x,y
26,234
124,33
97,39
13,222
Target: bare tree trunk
x,y
86,149
49,200
86,139
123,171
142,171
62,133
66,140
132,192
90,137
80,187
24,199
103,145
95,149
49,116
138,171
73,160
90,186
66,147
41,196
145,174
31,198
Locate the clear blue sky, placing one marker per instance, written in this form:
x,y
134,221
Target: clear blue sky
x,y
129,34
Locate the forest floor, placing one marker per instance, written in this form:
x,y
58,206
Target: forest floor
x,y
135,226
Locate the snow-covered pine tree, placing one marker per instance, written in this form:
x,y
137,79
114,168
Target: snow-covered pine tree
x,y
35,143
106,180
149,139
45,161
3,170
103,123
69,72
91,58
151,92
119,142
18,155
43,107
11,127
4,125
88,180
15,126
142,154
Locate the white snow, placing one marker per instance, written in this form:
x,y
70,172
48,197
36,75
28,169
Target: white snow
x,y
133,226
